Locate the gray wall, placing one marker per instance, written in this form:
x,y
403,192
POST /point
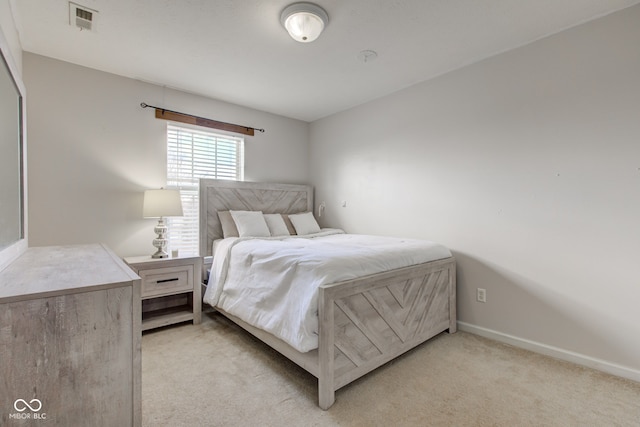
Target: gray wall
x,y
526,165
93,151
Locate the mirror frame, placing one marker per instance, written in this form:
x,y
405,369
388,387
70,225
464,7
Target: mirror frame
x,y
13,251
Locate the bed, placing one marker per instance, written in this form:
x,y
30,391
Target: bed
x,y
363,322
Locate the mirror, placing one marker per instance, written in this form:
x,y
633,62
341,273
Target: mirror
x,y
12,206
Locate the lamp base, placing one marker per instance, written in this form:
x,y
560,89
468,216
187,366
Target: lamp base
x,y
160,242
160,253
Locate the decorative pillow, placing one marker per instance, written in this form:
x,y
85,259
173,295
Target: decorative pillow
x,y
250,223
305,223
276,225
229,228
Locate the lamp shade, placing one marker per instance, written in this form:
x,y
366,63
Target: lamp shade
x,y
304,21
160,203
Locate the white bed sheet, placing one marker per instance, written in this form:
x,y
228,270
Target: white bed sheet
x,y
271,283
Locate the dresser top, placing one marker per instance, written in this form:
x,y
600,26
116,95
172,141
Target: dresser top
x,y
57,270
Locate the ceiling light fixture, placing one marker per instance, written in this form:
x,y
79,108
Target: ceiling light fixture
x,y
304,21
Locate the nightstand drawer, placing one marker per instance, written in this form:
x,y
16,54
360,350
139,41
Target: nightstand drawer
x,y
166,281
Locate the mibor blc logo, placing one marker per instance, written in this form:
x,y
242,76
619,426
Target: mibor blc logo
x,y
34,406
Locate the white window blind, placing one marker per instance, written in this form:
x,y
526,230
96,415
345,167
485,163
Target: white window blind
x,y
193,154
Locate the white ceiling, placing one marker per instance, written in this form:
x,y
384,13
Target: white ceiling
x,y
237,51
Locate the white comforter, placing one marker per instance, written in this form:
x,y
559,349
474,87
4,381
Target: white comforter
x,y
271,283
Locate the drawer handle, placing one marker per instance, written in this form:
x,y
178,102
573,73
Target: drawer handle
x,y
175,279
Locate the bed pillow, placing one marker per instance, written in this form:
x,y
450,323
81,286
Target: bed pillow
x,y
276,225
229,228
250,223
305,223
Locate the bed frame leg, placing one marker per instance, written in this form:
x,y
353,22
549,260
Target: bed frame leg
x,y
326,394
326,390
453,315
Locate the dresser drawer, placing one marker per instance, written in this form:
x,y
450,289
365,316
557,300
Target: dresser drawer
x,y
166,281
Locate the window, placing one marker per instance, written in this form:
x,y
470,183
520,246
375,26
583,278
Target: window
x,y
193,154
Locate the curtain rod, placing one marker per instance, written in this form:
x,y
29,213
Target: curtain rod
x,y
163,113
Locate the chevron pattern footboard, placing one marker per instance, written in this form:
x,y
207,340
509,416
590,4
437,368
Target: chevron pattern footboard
x,y
373,321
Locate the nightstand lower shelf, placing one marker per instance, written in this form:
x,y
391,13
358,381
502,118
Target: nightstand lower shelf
x,y
166,316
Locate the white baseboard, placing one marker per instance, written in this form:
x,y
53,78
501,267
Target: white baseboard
x,y
558,353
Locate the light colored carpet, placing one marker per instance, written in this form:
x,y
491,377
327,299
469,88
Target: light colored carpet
x,y
215,374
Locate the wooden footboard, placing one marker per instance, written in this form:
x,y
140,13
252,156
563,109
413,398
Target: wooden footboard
x,y
366,322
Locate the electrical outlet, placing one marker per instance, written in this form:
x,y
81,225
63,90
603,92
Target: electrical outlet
x,y
481,295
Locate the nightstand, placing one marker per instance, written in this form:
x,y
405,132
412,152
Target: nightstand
x,y
170,289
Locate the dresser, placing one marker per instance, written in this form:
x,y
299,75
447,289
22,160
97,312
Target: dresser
x,y
70,338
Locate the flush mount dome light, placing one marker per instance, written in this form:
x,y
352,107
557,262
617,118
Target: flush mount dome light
x,y
304,21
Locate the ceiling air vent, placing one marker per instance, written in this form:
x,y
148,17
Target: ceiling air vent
x,y
82,17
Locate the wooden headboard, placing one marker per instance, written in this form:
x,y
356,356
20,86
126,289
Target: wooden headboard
x,y
221,195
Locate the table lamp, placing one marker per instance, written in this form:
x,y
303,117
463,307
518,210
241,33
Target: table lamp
x,y
159,204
